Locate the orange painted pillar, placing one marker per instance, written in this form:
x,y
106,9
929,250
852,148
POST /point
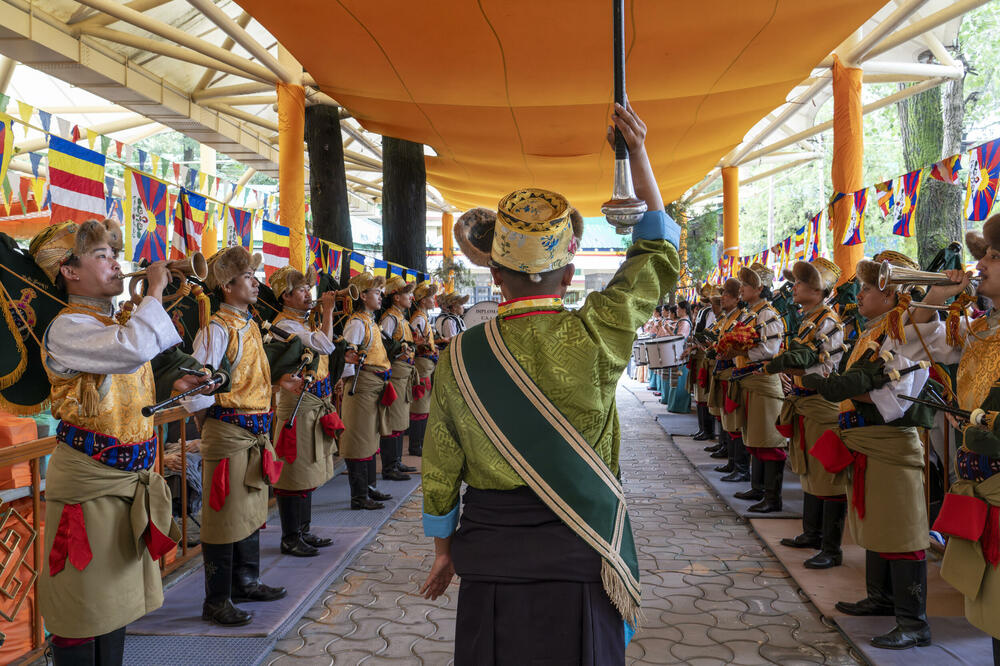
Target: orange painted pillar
x,y
291,169
448,247
848,156
731,211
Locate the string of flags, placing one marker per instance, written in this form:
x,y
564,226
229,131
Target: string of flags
x,y
897,200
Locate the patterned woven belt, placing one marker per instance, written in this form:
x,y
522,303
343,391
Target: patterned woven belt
x,y
852,419
322,388
798,390
432,357
975,466
384,375
255,422
108,450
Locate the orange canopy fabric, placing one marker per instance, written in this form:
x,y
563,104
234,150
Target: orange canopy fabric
x,y
512,93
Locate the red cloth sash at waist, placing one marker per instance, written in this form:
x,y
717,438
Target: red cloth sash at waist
x,y
767,453
388,395
834,455
703,377
972,519
728,404
421,388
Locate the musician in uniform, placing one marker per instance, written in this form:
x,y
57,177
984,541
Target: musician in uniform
x,y
239,461
450,322
761,395
427,358
532,589
366,402
806,415
396,325
308,448
877,443
698,375
726,391
108,514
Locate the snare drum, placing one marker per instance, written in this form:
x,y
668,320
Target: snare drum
x,y
667,351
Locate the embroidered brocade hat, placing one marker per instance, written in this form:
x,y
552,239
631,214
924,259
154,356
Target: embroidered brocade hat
x,y
979,242
287,279
533,231
226,265
397,284
819,273
867,270
365,281
423,290
54,245
757,275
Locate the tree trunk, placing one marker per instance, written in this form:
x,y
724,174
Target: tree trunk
x,y
939,208
331,216
404,203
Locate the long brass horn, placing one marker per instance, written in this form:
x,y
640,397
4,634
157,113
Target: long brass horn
x,y
890,276
193,265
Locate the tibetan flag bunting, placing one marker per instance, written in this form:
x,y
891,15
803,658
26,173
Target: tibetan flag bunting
x,y
357,263
813,252
76,182
189,223
317,253
276,246
238,227
947,169
145,209
884,192
856,225
984,172
115,210
336,254
381,267
905,204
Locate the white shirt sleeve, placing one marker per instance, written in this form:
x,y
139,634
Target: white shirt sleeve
x,y
772,327
419,324
449,328
354,333
209,348
315,340
79,343
389,325
683,328
887,399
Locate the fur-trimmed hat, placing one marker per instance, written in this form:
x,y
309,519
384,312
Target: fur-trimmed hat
x,y
474,234
54,245
979,242
707,291
287,279
732,287
365,281
449,300
424,289
226,265
756,275
820,273
868,270
396,284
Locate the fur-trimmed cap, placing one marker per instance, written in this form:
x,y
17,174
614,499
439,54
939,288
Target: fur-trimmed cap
x,y
979,242
708,290
365,281
454,298
287,279
820,273
54,245
732,287
867,270
424,289
226,265
474,234
756,275
397,285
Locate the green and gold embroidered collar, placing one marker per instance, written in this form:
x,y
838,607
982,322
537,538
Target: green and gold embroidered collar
x,y
529,305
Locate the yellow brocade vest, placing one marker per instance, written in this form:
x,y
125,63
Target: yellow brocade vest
x,y
121,396
250,384
430,329
402,331
323,368
372,343
980,365
859,348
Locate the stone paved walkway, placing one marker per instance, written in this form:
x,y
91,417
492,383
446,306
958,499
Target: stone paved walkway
x,y
712,593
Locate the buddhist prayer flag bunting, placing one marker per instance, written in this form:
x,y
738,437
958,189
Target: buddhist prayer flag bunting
x,y
115,211
800,242
395,269
905,204
947,169
76,182
381,267
357,264
276,246
813,252
856,226
884,193
238,227
6,145
984,172
145,209
189,223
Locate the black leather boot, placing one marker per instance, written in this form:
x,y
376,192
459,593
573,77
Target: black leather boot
x,y
417,430
996,652
311,539
729,453
701,435
290,512
109,648
247,585
372,481
909,587
709,423
358,478
830,554
878,585
399,456
756,491
741,463
82,654
812,524
387,451
774,473
218,607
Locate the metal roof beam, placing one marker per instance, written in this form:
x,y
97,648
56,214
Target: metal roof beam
x,y
757,177
242,20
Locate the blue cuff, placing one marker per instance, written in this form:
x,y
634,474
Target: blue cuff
x,y
441,526
629,632
657,225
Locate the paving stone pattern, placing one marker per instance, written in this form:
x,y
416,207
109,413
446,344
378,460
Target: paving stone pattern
x,y
712,593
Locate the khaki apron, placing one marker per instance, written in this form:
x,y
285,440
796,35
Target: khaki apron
x,y
761,397
425,369
735,420
817,416
365,419
404,378
315,449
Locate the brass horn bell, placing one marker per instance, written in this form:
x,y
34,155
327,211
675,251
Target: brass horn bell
x,y
891,276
